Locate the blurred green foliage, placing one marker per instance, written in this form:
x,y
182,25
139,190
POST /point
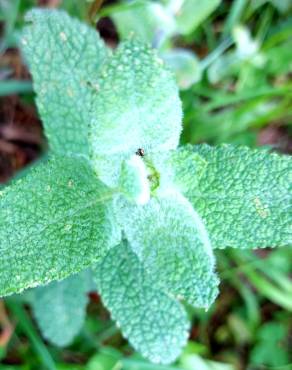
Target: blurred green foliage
x,y
233,64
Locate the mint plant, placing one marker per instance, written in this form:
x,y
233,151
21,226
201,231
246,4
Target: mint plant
x,y
117,205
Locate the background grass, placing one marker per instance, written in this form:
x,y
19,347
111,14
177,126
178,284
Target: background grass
x,y
233,64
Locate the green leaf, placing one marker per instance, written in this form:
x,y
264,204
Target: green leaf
x,y
134,183
179,169
147,20
244,197
172,244
185,65
193,12
138,105
136,363
55,221
64,56
283,6
193,361
106,358
271,348
155,324
60,308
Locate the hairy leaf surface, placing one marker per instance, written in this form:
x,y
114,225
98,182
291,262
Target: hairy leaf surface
x,y
134,183
155,324
64,57
173,246
60,308
244,197
137,106
178,169
54,221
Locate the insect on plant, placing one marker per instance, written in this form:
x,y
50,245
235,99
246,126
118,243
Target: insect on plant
x,y
140,152
140,229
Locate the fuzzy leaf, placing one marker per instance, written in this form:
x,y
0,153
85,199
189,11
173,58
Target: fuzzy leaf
x,y
154,323
60,308
54,221
134,183
137,106
244,197
179,169
64,56
172,244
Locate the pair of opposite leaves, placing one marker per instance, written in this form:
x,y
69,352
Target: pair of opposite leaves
x,y
104,107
